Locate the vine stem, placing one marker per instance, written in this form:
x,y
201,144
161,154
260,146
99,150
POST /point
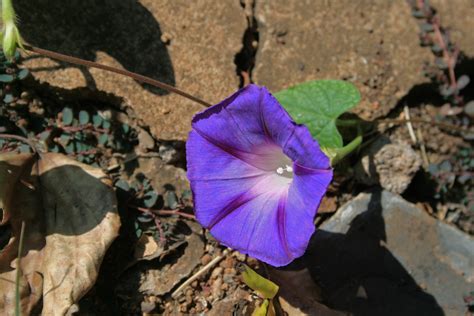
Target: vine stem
x,y
21,139
92,64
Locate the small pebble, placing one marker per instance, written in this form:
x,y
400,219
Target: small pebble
x,y
25,95
206,259
216,272
166,38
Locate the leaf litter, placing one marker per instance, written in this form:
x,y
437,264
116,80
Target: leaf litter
x,y
70,215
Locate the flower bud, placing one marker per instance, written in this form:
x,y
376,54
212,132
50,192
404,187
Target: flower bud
x,y
11,37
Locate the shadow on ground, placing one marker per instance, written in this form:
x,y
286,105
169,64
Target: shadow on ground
x,y
357,274
124,29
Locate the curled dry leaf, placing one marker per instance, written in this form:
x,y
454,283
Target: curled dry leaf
x,y
70,215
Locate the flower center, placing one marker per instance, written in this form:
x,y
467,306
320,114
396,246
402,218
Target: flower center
x,y
286,171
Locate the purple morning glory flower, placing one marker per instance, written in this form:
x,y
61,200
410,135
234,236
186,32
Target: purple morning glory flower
x,y
257,177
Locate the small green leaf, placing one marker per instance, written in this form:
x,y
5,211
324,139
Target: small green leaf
x,y
68,116
125,128
24,148
65,138
150,198
70,148
106,124
44,135
22,74
8,98
103,139
171,199
83,117
264,287
262,309
122,184
97,120
318,104
6,78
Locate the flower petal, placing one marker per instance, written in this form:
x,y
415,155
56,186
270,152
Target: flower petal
x,y
247,120
254,228
305,152
209,162
304,196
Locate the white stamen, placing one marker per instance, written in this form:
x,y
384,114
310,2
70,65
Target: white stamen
x,y
280,170
289,168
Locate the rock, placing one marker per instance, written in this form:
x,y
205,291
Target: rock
x,y
216,273
163,279
216,289
373,44
380,255
393,165
163,177
145,141
206,259
457,16
187,44
235,304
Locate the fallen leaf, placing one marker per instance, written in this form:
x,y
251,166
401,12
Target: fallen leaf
x,y
70,215
11,166
264,287
298,294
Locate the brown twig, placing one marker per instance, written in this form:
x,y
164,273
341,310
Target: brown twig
x,y
164,212
450,59
200,272
21,139
91,64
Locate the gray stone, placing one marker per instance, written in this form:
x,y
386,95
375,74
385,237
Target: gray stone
x,y
373,44
380,255
189,44
392,165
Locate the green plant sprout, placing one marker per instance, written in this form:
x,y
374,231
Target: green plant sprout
x,y
10,38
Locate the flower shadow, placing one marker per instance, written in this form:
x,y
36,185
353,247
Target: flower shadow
x,y
359,275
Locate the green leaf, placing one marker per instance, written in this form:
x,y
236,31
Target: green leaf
x,y
122,184
318,104
125,128
22,74
262,309
150,198
264,287
97,120
106,124
8,98
6,78
68,116
83,117
103,139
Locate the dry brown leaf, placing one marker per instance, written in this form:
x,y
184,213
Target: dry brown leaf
x,y
298,294
70,215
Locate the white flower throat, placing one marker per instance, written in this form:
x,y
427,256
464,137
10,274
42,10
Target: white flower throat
x,y
287,169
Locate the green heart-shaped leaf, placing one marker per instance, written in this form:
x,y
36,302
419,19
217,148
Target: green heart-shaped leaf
x,y
317,104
